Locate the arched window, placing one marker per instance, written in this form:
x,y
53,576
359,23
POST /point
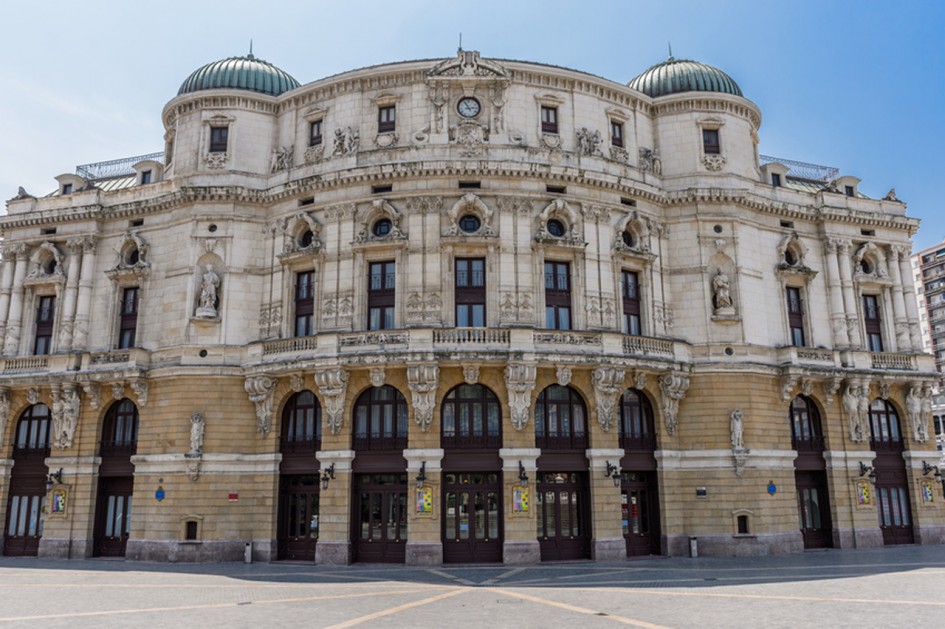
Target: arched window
x,y
636,421
471,418
120,430
560,419
806,433
380,420
301,423
884,426
32,431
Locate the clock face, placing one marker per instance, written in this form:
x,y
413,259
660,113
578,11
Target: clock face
x,y
468,107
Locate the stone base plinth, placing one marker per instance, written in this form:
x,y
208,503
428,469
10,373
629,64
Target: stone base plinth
x,y
424,553
609,549
333,553
736,545
521,552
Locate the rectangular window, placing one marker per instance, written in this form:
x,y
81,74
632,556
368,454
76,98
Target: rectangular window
x,y
45,314
873,323
616,133
710,142
218,139
795,308
128,322
145,177
848,190
315,133
382,278
557,296
631,303
304,302
67,188
776,180
549,119
470,293
386,119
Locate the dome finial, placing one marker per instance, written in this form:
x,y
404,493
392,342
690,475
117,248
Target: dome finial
x,y
670,45
250,55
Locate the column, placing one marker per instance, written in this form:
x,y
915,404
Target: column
x,y
608,543
908,291
6,284
425,542
900,321
67,322
849,296
520,473
11,342
80,332
837,317
334,509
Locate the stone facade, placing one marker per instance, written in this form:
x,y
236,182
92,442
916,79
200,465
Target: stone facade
x,y
216,241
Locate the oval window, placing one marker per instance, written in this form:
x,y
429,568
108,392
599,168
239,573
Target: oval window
x,y
556,228
382,227
470,224
307,238
790,258
628,239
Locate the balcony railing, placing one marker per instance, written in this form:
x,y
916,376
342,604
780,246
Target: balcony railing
x,y
638,443
28,364
645,345
471,442
810,443
471,336
375,443
374,338
299,344
883,360
561,442
569,337
886,445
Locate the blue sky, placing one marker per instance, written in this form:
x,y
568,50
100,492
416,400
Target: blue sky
x,y
856,85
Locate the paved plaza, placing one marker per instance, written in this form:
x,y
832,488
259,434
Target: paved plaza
x,y
890,587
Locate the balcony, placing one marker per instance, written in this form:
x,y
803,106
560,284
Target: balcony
x,y
26,364
471,336
646,346
131,358
286,346
806,356
900,362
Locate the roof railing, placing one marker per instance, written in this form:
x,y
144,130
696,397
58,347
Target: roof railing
x,y
116,167
803,170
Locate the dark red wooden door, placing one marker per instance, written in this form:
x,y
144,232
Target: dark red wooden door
x,y
639,509
113,521
563,518
813,509
298,517
380,518
472,518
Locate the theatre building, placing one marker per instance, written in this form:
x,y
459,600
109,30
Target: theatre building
x,y
460,310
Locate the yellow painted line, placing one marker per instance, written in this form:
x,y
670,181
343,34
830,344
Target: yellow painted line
x,y
395,610
581,610
772,597
147,610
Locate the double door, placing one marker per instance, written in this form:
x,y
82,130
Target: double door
x,y
892,495
639,513
472,518
113,520
298,517
380,518
813,509
24,525
563,515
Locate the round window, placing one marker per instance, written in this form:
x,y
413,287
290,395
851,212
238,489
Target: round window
x,y
628,239
556,228
382,227
50,267
133,257
866,266
470,224
790,258
307,238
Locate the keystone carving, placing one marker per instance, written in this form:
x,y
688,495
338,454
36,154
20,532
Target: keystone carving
x,y
118,390
608,384
32,396
422,381
94,393
261,390
674,386
563,375
332,385
378,376
140,388
520,381
471,374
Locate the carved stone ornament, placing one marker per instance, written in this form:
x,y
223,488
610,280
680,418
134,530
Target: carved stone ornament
x,y
469,203
918,421
471,374
713,162
118,390
650,161
869,262
632,234
737,427
422,381
639,380
588,142
282,158
471,137
378,376
295,234
32,395
741,460
140,388
314,153
608,384
261,390
856,409
520,382
5,404
332,385
788,383
807,387
132,256
831,387
215,161
346,142
296,382
673,386
563,375
386,140
65,415
560,211
197,427
381,209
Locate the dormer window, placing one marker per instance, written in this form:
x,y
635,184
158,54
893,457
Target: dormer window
x,y
710,142
776,180
386,119
145,177
218,139
67,188
549,119
315,133
848,190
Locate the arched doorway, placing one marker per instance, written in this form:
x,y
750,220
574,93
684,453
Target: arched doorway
x,y
115,480
892,486
562,493
472,475
639,493
379,502
810,474
299,482
24,525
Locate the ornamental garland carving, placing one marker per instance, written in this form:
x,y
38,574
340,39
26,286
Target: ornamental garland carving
x,y
673,386
215,161
520,382
295,233
713,163
332,385
261,390
422,381
471,204
608,384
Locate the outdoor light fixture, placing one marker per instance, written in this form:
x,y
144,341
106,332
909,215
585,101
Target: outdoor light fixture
x,y
868,470
53,478
522,476
613,472
422,476
926,468
327,475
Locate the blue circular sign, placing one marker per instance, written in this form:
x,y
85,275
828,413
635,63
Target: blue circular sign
x,y
772,488
159,494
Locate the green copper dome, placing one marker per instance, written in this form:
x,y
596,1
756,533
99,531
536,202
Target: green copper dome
x,y
239,73
680,75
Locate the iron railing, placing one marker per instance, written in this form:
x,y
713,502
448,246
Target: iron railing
x,y
115,168
803,170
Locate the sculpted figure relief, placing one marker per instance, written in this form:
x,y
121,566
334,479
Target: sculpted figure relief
x,y
722,293
737,426
208,294
197,426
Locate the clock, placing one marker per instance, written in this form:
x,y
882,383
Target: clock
x,y
468,107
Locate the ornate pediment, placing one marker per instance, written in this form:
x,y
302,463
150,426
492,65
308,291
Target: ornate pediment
x,y
468,63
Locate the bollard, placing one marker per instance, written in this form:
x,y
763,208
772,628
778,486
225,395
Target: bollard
x,y
248,553
693,547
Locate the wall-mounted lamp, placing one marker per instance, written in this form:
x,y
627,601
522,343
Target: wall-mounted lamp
x,y
53,478
868,470
422,476
926,468
613,472
327,475
522,476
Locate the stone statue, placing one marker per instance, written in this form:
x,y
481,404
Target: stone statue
x,y
208,294
738,429
722,293
914,412
21,193
863,411
926,412
5,403
851,402
196,434
281,158
891,195
70,415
